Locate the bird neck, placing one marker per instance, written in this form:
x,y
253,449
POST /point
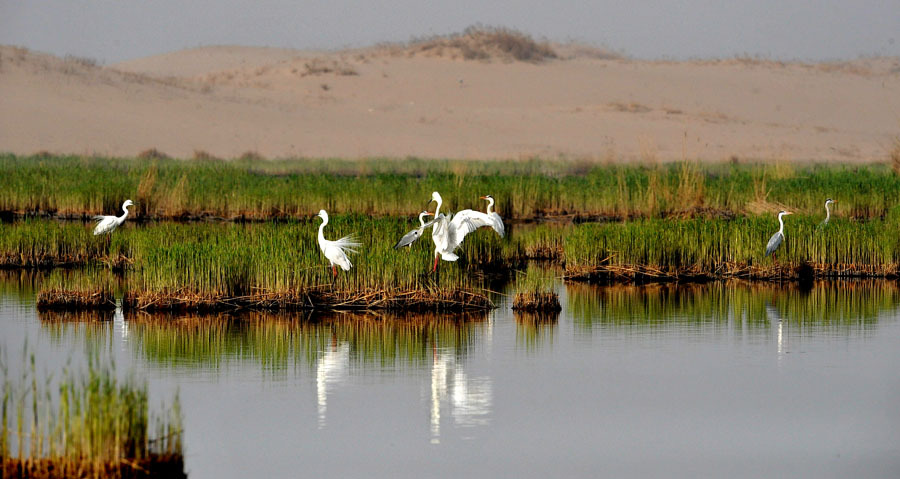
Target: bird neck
x,y
437,210
827,211
322,227
422,219
490,205
781,224
124,215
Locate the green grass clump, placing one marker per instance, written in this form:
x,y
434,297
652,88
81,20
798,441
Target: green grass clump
x,y
535,290
88,424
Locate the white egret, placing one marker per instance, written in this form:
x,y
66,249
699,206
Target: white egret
x,y
490,218
106,224
335,251
777,238
409,238
828,204
448,233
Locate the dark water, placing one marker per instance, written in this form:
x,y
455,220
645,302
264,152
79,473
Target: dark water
x,y
737,380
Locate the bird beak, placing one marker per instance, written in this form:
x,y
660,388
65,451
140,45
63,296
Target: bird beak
x,y
788,213
483,197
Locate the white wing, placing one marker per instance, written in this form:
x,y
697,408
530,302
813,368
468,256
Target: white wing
x,y
467,221
106,224
497,224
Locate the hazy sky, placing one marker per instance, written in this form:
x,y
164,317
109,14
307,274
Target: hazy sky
x,y
114,30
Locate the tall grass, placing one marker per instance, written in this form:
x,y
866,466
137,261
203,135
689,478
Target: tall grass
x,y
167,188
89,423
718,248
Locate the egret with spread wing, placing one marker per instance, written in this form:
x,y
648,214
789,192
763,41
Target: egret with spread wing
x,y
777,238
448,233
106,224
828,204
409,238
335,251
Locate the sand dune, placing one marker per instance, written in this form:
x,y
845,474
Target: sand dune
x,y
388,101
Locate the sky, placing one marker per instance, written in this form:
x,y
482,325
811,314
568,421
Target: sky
x,y
116,30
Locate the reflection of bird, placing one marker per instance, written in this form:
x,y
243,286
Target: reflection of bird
x,y
106,224
335,251
777,238
471,399
409,238
828,203
447,233
332,369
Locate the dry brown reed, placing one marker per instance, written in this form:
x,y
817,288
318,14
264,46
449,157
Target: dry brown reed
x,y
323,299
155,466
536,301
74,300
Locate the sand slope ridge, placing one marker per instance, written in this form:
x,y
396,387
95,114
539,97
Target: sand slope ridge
x,y
403,101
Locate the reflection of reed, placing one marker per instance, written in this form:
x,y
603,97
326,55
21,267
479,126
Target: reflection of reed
x,y
534,330
277,341
835,303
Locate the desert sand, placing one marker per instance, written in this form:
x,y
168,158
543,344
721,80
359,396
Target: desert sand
x,y
390,102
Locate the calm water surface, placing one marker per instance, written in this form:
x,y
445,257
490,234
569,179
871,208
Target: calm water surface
x,y
738,380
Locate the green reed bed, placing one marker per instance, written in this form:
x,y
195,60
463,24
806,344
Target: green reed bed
x,y
717,248
280,341
263,189
271,266
535,290
89,423
854,304
91,289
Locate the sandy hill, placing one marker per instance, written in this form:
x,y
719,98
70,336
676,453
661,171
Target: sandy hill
x,y
448,98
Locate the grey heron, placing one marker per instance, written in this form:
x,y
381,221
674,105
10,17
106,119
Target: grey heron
x,y
409,238
828,204
777,238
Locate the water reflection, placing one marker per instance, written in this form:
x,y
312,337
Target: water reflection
x,y
332,368
468,399
534,331
828,305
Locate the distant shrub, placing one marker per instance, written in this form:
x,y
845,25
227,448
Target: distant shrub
x,y
152,154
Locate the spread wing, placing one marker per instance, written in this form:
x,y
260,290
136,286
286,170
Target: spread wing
x,y
467,221
409,238
497,224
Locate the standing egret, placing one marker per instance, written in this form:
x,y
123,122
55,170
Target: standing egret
x,y
777,238
409,238
106,224
828,203
335,251
448,233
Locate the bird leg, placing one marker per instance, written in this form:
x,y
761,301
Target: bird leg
x,y
435,264
334,271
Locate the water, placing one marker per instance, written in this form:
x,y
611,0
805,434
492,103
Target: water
x,y
737,380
